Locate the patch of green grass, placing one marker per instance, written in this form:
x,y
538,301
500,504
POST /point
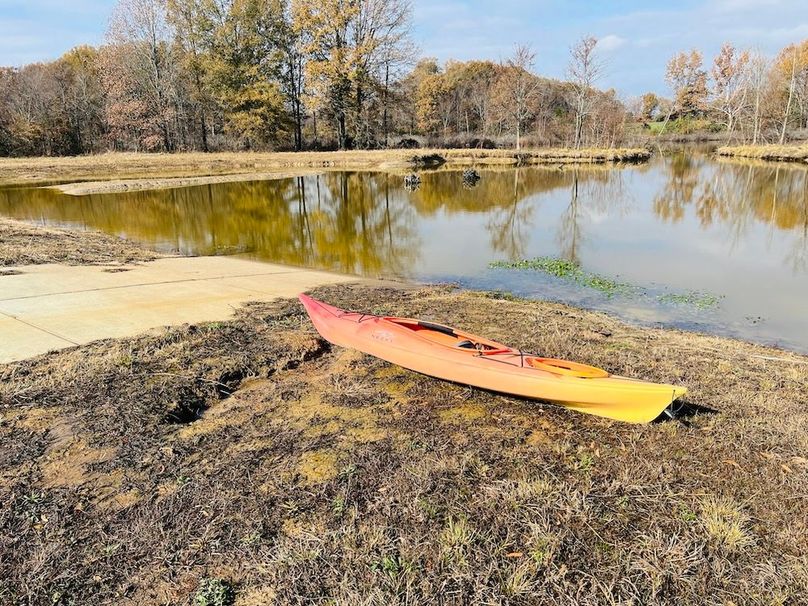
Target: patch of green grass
x,y
348,471
585,461
699,300
686,514
124,361
338,506
430,510
214,592
540,550
391,565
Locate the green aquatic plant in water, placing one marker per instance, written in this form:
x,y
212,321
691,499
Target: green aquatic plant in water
x,y
700,300
607,285
568,270
572,271
560,268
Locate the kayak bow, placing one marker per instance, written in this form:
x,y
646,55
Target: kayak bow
x,y
450,354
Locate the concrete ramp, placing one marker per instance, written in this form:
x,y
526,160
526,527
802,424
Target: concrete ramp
x,y
50,307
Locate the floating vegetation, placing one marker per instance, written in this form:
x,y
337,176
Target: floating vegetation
x,y
560,268
700,300
569,270
607,285
573,272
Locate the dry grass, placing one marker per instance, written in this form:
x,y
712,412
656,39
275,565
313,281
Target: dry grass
x,y
24,244
149,167
250,451
784,153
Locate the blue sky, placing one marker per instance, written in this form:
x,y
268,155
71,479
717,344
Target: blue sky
x,y
637,37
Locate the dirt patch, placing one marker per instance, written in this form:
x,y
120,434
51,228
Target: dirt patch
x,y
24,244
314,473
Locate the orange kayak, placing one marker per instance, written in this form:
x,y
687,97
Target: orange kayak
x,y
450,354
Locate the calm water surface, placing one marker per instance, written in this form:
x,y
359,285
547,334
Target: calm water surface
x,y
684,222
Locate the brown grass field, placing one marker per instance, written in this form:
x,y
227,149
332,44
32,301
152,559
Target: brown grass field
x,y
251,457
185,165
782,153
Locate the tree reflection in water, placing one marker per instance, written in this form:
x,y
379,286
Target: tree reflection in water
x,y
366,223
600,192
508,227
739,194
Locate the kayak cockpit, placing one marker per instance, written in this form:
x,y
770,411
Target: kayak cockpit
x,y
449,337
461,341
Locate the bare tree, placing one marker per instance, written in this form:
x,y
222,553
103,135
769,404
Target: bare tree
x,y
729,74
791,85
139,29
583,71
758,75
517,90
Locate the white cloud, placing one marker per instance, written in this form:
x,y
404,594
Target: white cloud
x,y
610,43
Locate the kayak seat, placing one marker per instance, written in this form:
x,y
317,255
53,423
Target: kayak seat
x,y
466,344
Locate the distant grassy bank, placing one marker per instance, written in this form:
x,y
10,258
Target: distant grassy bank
x,y
781,153
250,459
143,171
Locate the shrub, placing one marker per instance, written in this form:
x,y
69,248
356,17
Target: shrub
x,y
214,592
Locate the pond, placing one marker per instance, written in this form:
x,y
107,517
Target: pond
x,y
684,241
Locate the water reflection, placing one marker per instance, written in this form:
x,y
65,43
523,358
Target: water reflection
x,y
684,221
739,195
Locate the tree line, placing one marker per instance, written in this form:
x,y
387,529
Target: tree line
x,y
180,75
744,94
208,75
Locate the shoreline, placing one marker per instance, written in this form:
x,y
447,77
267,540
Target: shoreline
x,y
135,171
27,244
769,153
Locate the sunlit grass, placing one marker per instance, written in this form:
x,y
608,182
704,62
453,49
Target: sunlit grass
x,y
725,524
120,165
794,153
